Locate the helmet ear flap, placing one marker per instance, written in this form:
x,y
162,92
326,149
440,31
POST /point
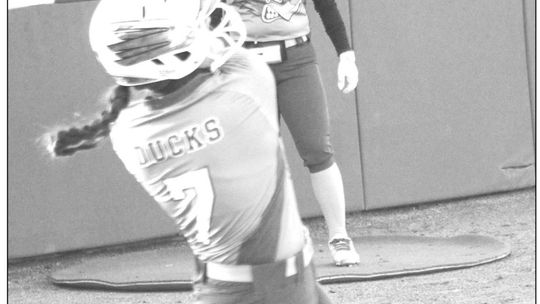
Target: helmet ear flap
x,y
227,27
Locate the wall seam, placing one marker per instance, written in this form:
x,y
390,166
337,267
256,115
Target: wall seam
x,y
357,107
530,85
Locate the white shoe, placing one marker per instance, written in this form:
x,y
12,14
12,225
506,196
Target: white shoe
x,y
343,251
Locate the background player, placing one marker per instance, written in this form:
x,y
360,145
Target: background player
x,y
279,31
193,128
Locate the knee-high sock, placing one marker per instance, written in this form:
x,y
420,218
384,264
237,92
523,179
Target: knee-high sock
x,y
328,189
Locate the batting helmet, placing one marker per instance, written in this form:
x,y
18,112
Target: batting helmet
x,y
145,41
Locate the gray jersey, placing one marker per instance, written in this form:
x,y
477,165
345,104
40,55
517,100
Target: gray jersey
x,y
210,154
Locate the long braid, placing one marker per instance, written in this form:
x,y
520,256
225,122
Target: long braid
x,y
67,142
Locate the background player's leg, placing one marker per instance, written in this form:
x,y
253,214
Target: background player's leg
x,y
328,189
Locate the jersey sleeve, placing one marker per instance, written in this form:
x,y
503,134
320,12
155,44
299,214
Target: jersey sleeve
x,y
333,24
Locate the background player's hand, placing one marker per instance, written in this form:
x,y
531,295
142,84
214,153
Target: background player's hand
x,y
142,44
347,72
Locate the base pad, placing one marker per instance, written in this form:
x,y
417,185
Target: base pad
x,y
381,257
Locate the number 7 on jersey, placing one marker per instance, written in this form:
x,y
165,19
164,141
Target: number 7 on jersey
x,y
194,188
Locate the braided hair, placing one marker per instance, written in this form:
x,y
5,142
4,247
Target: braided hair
x,y
67,142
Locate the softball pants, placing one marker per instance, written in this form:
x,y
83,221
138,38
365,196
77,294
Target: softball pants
x,y
302,104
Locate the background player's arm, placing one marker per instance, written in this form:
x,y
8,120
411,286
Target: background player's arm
x,y
335,28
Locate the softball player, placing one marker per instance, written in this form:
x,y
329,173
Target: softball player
x,y
197,126
278,31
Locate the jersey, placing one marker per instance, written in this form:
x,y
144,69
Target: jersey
x,y
271,20
210,154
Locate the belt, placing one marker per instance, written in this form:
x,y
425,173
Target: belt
x,y
287,43
244,273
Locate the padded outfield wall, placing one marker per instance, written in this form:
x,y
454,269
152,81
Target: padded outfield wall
x,y
443,110
443,97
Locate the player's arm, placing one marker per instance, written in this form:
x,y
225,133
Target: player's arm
x,y
333,24
335,28
13,4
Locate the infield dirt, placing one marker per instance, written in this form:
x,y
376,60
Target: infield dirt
x,y
508,217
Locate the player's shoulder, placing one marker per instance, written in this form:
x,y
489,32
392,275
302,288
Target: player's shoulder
x,y
248,72
248,78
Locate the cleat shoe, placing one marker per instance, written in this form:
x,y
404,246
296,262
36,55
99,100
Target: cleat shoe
x,y
343,252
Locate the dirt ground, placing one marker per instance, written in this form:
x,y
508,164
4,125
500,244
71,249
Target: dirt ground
x,y
509,217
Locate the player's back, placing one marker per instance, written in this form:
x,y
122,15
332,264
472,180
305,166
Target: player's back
x,y
210,154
